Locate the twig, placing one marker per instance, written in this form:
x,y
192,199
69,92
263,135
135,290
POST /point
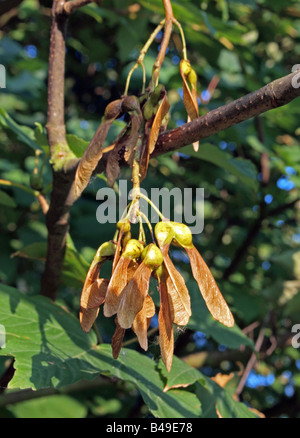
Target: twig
x,y
72,6
20,186
143,53
253,357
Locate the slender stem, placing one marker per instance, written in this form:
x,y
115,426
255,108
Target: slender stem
x,y
253,359
164,44
142,55
142,236
184,50
136,177
153,206
148,223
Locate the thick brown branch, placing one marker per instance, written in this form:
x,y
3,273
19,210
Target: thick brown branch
x,y
57,218
275,94
55,117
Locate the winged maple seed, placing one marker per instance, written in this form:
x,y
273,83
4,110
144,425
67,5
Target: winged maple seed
x,y
126,294
179,234
190,96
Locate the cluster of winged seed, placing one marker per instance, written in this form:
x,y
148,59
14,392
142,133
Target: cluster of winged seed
x,y
126,294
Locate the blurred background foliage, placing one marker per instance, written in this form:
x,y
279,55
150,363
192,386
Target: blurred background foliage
x,y
250,175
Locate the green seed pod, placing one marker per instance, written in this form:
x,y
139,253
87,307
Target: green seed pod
x,y
164,233
182,235
185,67
133,249
107,249
152,256
125,225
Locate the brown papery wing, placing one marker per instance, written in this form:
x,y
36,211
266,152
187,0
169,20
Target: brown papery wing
x,y
178,293
115,287
213,298
161,112
166,335
117,339
94,153
134,295
142,320
180,303
91,277
118,249
189,101
87,317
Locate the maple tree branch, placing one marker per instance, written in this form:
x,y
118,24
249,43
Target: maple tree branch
x,y
273,95
169,17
